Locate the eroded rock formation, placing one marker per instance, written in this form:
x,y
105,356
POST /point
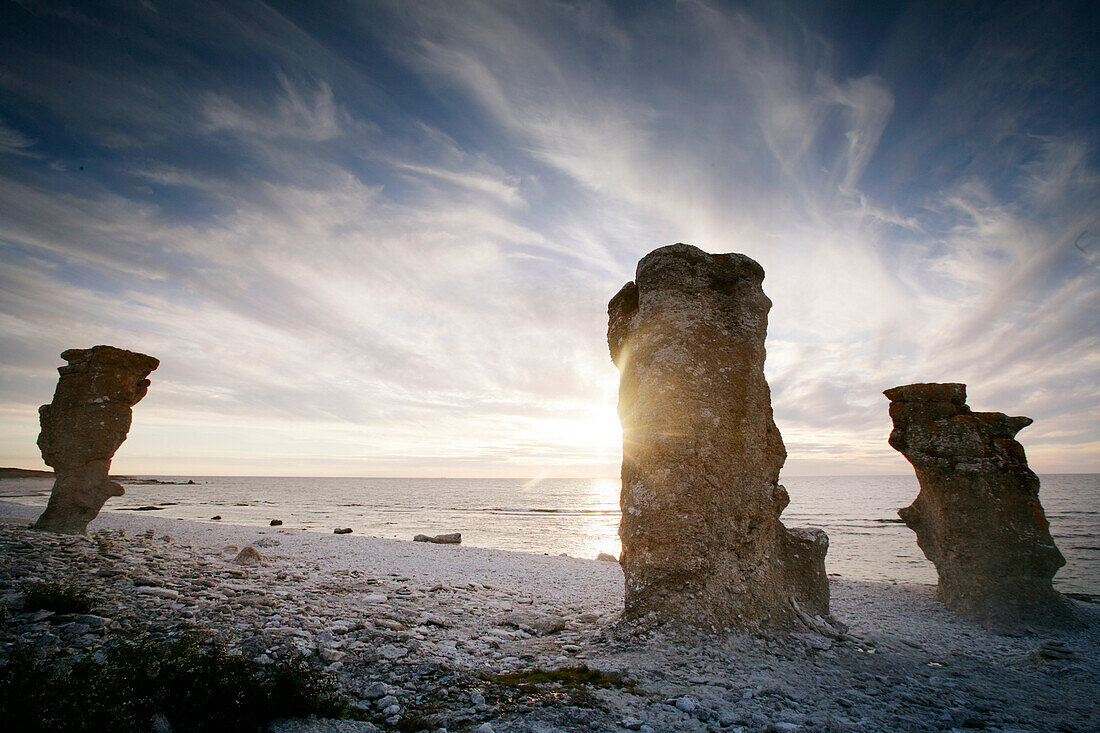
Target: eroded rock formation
x,y
702,540
977,516
83,427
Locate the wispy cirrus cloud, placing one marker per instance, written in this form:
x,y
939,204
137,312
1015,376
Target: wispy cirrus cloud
x,y
387,231
13,141
298,114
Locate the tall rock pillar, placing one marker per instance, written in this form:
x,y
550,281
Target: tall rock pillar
x,y
977,516
83,427
702,540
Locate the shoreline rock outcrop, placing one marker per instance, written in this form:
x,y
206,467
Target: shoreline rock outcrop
x,y
702,540
977,516
83,426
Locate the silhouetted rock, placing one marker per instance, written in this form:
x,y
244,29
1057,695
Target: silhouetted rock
x,y
276,522
702,540
977,516
342,530
82,428
453,538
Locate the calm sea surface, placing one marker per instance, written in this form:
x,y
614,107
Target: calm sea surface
x,y
580,517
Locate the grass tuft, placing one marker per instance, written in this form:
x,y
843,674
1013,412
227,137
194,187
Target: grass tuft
x,y
580,676
197,688
57,597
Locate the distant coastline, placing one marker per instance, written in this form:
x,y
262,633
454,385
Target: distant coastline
x,y
35,473
24,473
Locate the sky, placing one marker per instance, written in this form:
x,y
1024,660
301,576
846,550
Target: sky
x,y
378,238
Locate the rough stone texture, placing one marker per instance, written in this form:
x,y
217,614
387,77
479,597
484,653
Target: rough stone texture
x,y
83,427
702,540
977,516
249,556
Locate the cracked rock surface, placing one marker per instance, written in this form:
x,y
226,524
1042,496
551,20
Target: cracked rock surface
x,y
977,516
82,428
701,499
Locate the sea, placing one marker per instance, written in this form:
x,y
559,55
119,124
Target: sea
x,y
580,517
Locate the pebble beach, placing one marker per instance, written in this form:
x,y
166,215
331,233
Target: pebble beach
x,y
429,633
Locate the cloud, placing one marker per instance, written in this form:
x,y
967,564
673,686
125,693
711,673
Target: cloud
x,y
295,115
13,141
395,241
969,288
497,187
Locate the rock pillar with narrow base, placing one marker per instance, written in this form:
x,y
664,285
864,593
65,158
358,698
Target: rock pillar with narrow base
x,y
702,540
977,516
83,427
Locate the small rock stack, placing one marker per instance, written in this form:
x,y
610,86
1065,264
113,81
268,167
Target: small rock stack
x,y
977,516
702,540
83,427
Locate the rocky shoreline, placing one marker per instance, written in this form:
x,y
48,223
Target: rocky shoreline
x,y
448,637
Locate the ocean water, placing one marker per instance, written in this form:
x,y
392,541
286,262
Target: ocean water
x,y
580,517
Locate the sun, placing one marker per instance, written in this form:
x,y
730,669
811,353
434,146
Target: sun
x,y
601,431
593,435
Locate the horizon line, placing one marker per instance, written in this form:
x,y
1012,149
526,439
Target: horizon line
x,y
510,478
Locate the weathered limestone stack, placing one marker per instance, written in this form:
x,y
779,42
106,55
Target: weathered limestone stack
x,y
702,540
977,516
83,427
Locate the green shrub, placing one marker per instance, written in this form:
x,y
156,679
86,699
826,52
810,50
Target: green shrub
x,y
57,597
566,676
197,688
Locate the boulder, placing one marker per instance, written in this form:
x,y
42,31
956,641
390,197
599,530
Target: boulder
x,y
82,428
977,515
702,540
453,538
342,530
606,557
249,556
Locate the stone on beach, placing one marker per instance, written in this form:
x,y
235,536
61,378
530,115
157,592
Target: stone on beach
x,y
977,516
702,540
342,530
248,556
452,538
83,426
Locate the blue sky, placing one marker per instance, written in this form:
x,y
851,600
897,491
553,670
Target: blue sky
x,y
378,238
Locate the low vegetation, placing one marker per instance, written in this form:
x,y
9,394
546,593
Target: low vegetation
x,y
565,676
57,597
566,685
194,687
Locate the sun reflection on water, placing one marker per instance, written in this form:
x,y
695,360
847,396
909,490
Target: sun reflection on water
x,y
600,535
